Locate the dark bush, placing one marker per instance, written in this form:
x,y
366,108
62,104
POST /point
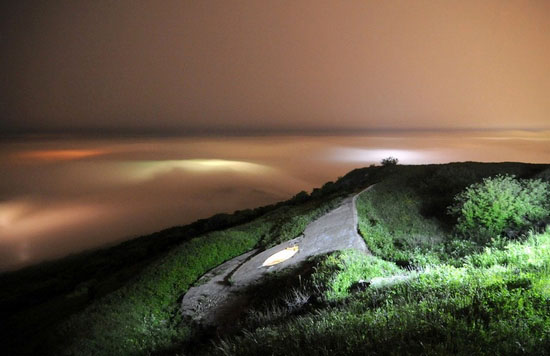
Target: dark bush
x,y
389,161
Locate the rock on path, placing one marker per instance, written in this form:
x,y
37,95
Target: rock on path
x,y
213,300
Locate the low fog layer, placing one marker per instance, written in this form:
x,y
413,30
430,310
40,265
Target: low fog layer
x,y
59,196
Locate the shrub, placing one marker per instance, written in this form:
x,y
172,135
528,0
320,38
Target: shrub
x,y
389,161
502,205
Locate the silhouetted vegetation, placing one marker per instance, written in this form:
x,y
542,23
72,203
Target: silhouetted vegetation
x,y
389,161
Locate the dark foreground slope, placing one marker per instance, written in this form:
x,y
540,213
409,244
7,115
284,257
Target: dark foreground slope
x,y
125,300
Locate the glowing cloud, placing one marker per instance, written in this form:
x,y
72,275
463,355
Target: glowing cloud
x,y
12,211
59,155
22,219
375,155
149,169
23,223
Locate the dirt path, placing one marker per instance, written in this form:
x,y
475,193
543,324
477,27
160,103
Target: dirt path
x,y
213,299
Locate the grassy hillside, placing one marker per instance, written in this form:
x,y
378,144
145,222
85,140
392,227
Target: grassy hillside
x,y
425,289
125,299
497,302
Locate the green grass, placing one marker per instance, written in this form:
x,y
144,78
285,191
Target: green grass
x,y
393,227
143,316
496,303
127,297
404,218
426,290
338,272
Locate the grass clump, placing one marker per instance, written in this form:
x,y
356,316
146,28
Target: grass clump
x,y
338,272
392,224
403,218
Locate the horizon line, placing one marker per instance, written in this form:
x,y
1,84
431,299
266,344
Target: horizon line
x,y
239,131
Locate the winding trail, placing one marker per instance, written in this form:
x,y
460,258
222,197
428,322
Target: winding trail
x,y
212,300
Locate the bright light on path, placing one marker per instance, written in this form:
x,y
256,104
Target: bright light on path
x,y
280,256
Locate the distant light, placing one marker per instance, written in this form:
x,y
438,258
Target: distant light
x,y
11,211
148,169
23,218
375,155
59,155
23,222
280,256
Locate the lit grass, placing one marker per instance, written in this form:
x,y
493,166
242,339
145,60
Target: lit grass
x,y
393,227
495,309
425,291
143,317
338,272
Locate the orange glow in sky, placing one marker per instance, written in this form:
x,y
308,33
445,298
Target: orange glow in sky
x,y
276,65
59,155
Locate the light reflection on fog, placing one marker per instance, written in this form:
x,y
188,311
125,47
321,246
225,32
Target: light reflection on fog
x,y
150,169
361,155
60,196
56,155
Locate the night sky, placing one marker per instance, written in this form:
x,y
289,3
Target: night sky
x,y
274,65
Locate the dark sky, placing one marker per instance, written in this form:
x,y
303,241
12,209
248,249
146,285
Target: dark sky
x,y
274,64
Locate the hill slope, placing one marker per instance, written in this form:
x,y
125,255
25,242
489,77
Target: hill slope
x,y
320,306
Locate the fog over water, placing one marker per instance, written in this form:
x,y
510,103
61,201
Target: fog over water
x,y
63,195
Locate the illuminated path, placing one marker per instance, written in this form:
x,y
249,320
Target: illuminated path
x,y
213,300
